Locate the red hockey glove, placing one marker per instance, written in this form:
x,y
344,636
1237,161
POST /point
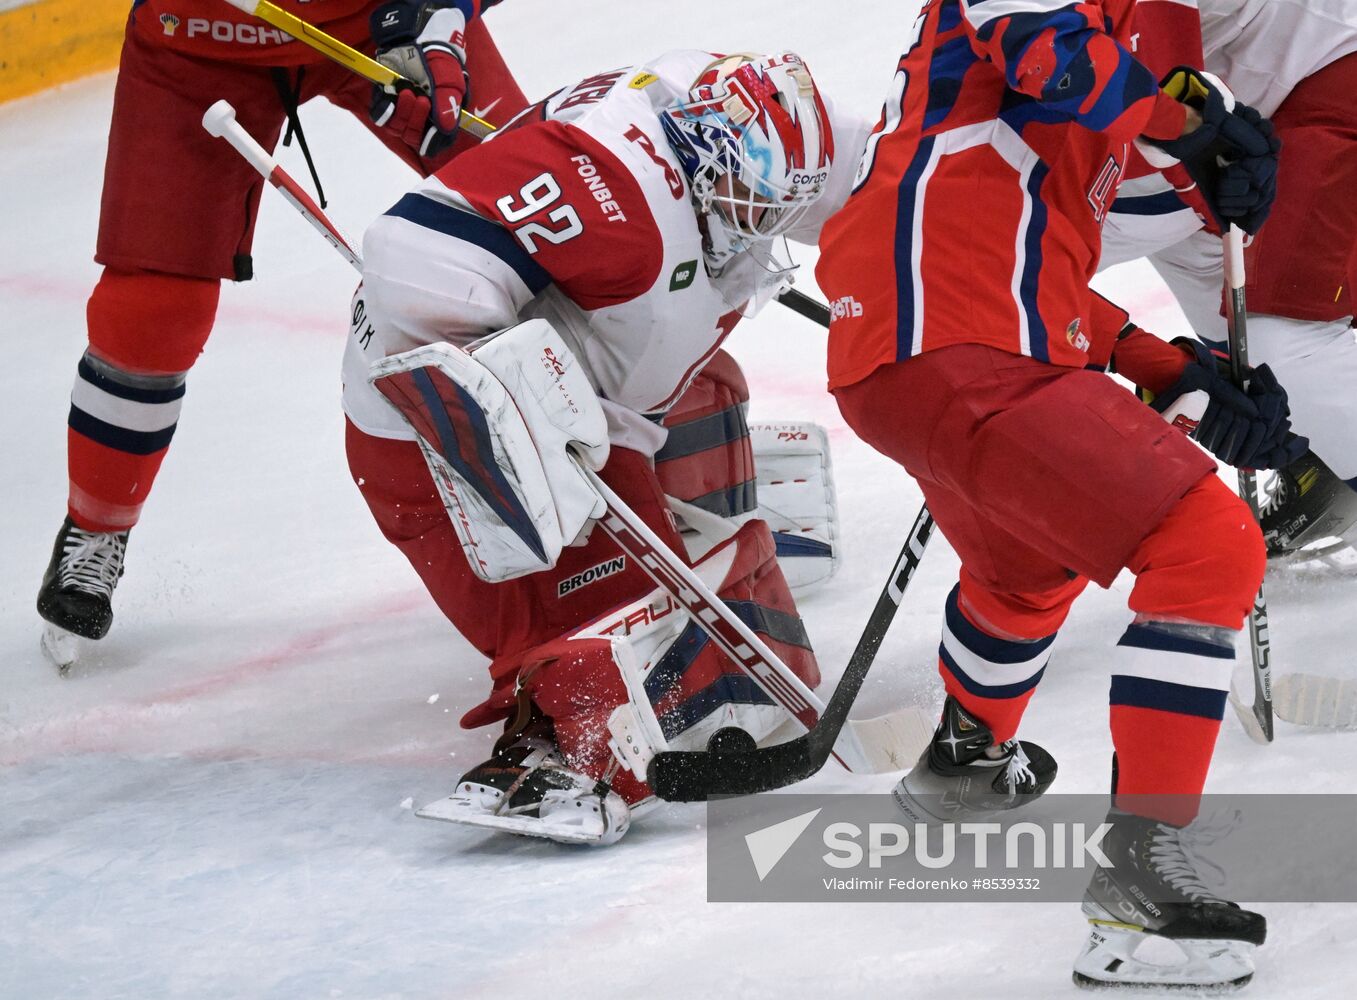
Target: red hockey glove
x,y
425,42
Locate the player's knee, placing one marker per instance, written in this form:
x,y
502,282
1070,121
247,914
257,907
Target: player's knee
x,y
1026,616
1204,562
146,322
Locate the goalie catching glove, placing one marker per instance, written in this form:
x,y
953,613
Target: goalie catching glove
x,y
503,430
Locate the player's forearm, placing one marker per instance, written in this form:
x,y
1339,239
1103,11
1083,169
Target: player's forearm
x,y
1062,57
1146,360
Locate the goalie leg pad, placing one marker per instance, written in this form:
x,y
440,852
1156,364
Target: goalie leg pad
x,y
692,688
707,459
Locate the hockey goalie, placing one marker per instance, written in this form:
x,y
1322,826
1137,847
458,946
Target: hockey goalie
x,y
553,305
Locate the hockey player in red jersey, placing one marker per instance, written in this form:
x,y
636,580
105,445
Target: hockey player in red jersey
x,y
178,215
608,240
967,346
1296,63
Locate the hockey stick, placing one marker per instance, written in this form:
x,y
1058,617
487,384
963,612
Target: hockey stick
x,y
1258,721
346,55
872,745
816,312
220,121
690,776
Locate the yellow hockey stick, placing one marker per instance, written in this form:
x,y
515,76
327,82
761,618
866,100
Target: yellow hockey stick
x,y
346,55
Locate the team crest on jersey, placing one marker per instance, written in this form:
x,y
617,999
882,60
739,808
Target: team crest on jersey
x,y
683,276
169,22
1076,336
591,575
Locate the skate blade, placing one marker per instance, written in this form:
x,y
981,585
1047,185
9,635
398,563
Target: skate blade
x,y
61,648
1311,700
464,813
1109,961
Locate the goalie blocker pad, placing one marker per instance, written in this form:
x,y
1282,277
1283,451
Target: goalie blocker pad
x,y
501,429
651,659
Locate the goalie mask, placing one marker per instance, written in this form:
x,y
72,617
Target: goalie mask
x,y
754,139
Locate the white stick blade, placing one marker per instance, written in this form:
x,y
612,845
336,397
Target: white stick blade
x,y
1311,700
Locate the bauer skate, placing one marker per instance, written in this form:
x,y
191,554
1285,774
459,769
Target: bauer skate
x,y
528,789
1154,923
959,777
1309,512
76,599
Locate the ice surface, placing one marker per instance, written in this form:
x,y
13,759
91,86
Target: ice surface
x,y
217,802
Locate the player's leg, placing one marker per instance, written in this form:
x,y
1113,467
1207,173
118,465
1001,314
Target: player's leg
x,y
493,95
1301,272
177,216
1001,619
1095,481
556,675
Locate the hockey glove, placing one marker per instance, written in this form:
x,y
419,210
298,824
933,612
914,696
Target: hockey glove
x,y
1232,155
1247,428
425,42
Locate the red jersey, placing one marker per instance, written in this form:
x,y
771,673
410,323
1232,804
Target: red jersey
x,y
976,212
213,29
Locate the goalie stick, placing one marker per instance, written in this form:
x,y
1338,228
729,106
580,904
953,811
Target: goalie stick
x,y
869,746
691,776
1257,722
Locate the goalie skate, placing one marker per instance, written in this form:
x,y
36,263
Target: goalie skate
x,y
1154,922
527,789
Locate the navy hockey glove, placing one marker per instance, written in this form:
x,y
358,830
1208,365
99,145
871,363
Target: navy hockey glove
x,y
1232,155
425,42
1247,428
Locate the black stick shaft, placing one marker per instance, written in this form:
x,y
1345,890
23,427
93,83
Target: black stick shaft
x,y
1236,315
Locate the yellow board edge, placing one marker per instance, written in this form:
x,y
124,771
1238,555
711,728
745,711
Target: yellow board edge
x,y
48,42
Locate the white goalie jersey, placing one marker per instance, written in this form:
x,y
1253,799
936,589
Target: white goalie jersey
x,y
577,212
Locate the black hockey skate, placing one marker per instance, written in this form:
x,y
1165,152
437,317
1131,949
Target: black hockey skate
x,y
527,788
1154,892
955,779
76,598
1309,511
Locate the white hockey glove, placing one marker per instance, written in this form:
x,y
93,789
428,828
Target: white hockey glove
x,y
503,430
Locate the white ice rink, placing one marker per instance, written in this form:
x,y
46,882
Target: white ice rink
x,y
216,804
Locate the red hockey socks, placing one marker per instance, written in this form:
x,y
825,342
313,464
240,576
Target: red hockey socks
x,y
1197,574
145,331
993,678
